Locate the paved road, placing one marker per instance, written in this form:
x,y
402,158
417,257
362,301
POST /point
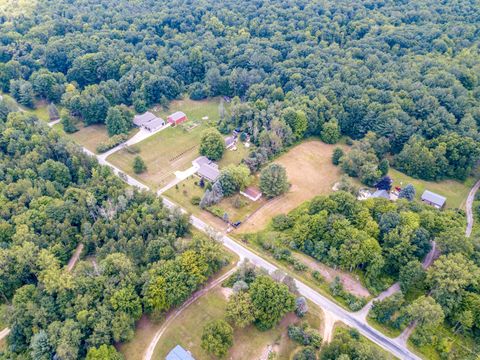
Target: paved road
x,y
468,206
355,320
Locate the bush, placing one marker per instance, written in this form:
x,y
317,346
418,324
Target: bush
x,y
217,337
282,222
139,165
304,335
111,143
337,155
217,211
195,200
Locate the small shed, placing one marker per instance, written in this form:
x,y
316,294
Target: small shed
x,y
179,353
229,142
433,199
252,193
142,119
177,118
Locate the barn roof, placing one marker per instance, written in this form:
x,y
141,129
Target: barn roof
x,y
433,198
177,116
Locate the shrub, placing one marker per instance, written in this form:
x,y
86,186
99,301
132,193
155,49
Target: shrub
x,y
195,200
139,165
337,155
282,222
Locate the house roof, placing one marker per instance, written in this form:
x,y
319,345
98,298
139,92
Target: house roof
x,y
209,172
433,198
179,353
177,116
155,123
381,194
142,119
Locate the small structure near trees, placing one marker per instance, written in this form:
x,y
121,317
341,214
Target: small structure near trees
x,y
177,118
252,193
179,353
433,199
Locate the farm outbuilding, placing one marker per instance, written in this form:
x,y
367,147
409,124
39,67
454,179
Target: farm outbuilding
x,y
433,199
230,142
177,118
179,353
252,193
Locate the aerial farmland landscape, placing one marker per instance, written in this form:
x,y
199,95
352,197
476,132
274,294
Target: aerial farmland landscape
x,y
243,180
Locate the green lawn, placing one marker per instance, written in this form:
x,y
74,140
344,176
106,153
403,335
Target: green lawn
x,y
184,192
456,192
249,343
174,148
168,151
234,157
239,214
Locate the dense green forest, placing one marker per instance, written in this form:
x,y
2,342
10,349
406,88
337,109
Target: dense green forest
x,y
54,197
406,70
385,242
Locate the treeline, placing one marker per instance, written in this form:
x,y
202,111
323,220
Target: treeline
x,y
375,236
141,256
300,68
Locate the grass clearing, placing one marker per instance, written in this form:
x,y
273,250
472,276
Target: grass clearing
x,y
309,170
172,149
234,157
456,192
146,327
249,343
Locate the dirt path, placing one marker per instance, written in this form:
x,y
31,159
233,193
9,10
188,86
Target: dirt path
x,y
175,313
329,321
349,282
468,206
76,255
403,337
4,333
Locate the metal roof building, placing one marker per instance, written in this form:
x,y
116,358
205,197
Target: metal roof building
x,y
142,119
433,199
179,353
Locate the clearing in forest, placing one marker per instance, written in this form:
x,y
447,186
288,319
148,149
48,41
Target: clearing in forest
x,y
172,149
310,172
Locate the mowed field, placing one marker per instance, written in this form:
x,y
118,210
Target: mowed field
x,y
310,172
172,149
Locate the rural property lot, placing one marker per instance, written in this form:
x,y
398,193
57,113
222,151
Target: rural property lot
x,y
172,149
248,343
310,171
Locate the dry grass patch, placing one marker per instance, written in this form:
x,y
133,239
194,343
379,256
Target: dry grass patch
x,y
310,171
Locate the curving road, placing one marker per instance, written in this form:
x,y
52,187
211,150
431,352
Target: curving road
x,y
468,206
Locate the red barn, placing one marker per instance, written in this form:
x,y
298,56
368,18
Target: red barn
x,y
177,118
